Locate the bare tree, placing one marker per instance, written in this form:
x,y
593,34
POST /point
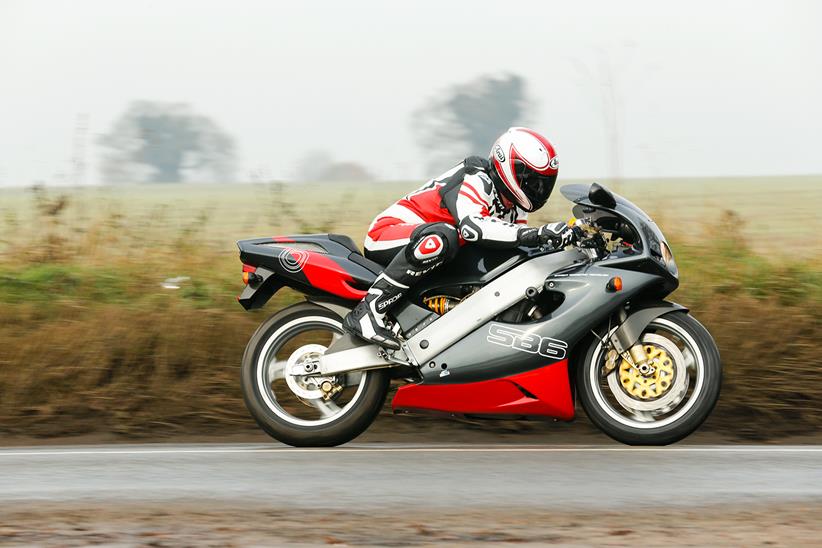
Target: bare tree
x,y
166,143
469,117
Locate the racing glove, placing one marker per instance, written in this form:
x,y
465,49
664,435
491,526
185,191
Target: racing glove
x,y
558,234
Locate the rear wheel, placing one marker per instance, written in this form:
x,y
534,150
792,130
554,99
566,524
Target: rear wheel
x,y
287,401
659,406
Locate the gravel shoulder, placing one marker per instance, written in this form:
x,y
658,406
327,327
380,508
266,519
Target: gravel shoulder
x,y
785,524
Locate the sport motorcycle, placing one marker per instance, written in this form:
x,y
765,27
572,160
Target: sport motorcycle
x,y
517,333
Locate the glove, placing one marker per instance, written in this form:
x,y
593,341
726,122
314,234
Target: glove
x,y
559,234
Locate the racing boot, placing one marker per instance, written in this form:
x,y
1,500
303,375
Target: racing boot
x,y
367,320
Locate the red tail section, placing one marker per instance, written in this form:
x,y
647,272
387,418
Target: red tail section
x,y
324,273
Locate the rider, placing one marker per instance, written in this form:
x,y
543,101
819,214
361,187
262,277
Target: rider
x,y
478,201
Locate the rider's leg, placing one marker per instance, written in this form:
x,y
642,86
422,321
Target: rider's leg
x,y
429,245
387,237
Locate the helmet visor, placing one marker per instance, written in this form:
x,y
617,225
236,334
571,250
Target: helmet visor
x,y
537,187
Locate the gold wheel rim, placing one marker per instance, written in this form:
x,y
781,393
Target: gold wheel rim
x,y
652,386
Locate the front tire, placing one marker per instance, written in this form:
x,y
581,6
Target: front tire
x,y
290,408
634,411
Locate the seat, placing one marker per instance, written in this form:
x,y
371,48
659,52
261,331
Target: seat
x,y
366,263
356,255
345,241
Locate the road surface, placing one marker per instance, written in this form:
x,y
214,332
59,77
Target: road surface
x,y
406,476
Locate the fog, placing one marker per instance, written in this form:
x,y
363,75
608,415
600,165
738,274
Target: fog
x,y
627,89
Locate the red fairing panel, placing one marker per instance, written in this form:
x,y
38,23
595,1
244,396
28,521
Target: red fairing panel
x,y
549,385
324,273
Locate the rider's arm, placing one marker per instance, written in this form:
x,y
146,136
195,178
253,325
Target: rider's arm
x,y
471,209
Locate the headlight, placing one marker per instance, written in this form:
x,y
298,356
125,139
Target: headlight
x,y
666,253
668,257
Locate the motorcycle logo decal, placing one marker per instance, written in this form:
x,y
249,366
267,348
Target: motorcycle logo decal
x,y
554,163
428,248
523,341
293,260
499,153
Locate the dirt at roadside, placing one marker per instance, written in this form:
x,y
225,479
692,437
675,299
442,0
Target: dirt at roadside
x,y
795,524
418,429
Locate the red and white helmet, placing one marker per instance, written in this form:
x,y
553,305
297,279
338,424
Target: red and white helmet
x,y
526,166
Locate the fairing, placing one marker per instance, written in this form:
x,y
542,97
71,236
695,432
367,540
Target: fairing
x,y
544,392
498,348
647,255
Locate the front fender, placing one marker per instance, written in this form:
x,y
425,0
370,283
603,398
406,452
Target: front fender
x,y
631,329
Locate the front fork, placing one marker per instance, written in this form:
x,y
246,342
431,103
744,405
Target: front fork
x,y
634,354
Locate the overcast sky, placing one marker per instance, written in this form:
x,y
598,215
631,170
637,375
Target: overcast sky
x,y
696,88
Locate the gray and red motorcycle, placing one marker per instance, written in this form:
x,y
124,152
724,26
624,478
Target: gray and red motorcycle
x,y
520,333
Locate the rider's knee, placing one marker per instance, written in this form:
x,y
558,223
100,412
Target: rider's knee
x,y
433,243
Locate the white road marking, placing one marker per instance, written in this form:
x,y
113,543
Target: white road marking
x,y
28,452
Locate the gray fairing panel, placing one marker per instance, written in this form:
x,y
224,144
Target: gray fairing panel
x,y
587,304
487,303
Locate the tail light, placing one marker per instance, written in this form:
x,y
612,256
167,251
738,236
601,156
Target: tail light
x,y
249,275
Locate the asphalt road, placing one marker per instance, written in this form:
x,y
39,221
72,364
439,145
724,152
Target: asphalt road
x,y
412,477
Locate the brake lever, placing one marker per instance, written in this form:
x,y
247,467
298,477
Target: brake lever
x,y
594,242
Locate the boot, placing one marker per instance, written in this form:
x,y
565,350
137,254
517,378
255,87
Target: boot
x,y
367,320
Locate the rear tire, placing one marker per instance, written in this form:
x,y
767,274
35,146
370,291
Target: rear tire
x,y
341,428
679,422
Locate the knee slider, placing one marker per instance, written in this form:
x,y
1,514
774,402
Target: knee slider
x,y
432,243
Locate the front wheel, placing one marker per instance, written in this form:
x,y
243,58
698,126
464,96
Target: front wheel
x,y
306,410
661,406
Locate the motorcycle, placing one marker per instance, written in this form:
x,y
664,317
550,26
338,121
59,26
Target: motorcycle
x,y
520,333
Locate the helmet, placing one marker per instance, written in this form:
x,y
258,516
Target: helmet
x,y
525,167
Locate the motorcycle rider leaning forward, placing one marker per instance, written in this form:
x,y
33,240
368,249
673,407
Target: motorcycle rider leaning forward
x,y
479,201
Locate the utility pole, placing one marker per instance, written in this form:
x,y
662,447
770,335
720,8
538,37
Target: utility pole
x,y
611,64
78,150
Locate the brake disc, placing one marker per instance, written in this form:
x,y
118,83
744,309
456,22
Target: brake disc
x,y
659,392
648,386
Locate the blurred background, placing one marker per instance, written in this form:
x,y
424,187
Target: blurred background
x,y
140,140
